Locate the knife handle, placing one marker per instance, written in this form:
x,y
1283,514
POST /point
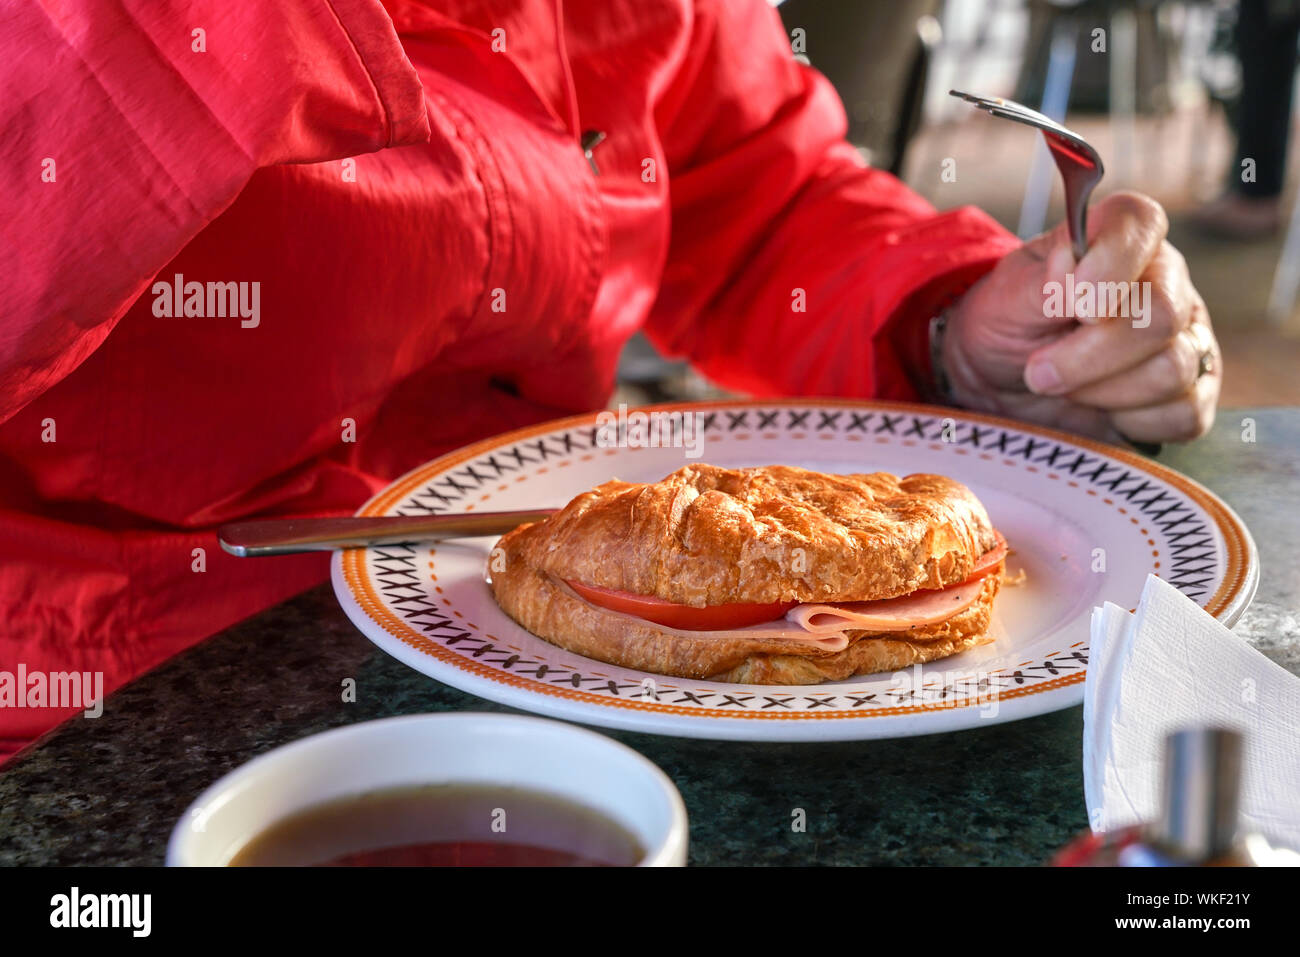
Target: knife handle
x,y
289,536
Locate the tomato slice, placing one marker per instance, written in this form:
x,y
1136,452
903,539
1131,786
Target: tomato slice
x,y
725,617
989,560
685,617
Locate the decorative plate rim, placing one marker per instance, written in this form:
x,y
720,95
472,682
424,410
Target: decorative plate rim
x,y
1235,591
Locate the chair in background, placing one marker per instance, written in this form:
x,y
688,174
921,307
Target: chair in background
x,y
877,56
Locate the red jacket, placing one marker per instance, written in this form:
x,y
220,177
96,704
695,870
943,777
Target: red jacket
x,y
437,262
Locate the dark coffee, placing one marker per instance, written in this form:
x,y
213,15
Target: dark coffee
x,y
445,826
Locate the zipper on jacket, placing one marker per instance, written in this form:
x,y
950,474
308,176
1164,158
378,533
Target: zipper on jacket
x,y
590,140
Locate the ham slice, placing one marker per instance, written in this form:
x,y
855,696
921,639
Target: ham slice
x,y
892,614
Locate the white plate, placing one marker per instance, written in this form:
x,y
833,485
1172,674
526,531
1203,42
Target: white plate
x,y
1065,504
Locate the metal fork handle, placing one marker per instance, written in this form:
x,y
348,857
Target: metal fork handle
x,y
1078,188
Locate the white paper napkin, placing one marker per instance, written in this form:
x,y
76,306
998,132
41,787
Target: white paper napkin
x,y
1169,666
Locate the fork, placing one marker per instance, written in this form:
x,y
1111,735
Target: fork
x,y
1081,171
1079,164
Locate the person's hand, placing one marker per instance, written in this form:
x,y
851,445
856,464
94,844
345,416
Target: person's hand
x,y
1147,371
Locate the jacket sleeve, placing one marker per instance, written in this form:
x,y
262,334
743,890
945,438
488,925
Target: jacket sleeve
x,y
793,267
126,127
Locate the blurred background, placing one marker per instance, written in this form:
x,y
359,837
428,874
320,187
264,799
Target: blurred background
x,y
1157,86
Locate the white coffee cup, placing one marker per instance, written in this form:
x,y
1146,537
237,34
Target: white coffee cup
x,y
560,759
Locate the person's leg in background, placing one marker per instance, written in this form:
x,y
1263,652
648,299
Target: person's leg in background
x,y
1251,207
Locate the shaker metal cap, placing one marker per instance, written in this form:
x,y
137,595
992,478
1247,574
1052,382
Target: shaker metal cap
x,y
1202,785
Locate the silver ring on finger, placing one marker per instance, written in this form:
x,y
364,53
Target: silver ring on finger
x,y
1206,359
1205,364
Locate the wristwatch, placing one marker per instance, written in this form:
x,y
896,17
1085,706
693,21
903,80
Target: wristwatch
x,y
940,386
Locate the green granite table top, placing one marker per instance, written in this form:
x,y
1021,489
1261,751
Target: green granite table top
x,y
108,790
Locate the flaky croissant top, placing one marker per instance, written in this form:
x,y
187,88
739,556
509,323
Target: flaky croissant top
x,y
711,536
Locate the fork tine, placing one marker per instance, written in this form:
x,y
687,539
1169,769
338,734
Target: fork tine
x,y
998,102
1009,109
1018,112
992,102
1017,117
972,98
1014,115
1020,109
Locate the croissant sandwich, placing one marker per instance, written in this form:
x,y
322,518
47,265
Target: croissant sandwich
x,y
774,575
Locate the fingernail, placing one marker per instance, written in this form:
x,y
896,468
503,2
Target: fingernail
x,y
1041,377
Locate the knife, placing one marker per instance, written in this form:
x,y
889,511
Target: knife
x,y
289,536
